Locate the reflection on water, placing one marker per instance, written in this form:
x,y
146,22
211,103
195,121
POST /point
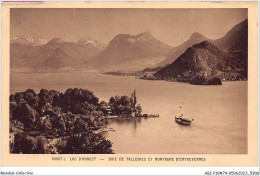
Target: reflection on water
x,y
219,112
129,121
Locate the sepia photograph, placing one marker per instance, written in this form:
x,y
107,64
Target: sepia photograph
x,y
128,81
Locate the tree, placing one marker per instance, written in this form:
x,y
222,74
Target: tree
x,y
94,100
24,143
25,114
79,127
12,107
125,101
11,98
43,97
83,108
127,110
59,124
41,147
138,109
18,96
75,98
112,101
56,100
87,143
16,126
118,109
104,110
31,98
44,124
117,98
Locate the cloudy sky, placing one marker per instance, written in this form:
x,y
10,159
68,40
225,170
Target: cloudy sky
x,y
172,26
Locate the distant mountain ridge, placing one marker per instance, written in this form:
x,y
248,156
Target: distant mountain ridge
x,y
177,51
55,54
131,50
236,39
27,40
124,52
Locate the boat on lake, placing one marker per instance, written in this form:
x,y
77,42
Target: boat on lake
x,y
183,121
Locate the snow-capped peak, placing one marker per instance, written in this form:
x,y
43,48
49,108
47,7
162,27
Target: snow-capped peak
x,y
89,41
27,40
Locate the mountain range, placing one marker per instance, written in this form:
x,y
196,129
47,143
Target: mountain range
x,y
235,39
177,51
225,58
204,59
127,51
133,51
27,40
53,55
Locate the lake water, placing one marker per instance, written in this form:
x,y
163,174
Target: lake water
x,y
219,112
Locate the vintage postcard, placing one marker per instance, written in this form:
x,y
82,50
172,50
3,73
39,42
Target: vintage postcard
x,y
129,84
